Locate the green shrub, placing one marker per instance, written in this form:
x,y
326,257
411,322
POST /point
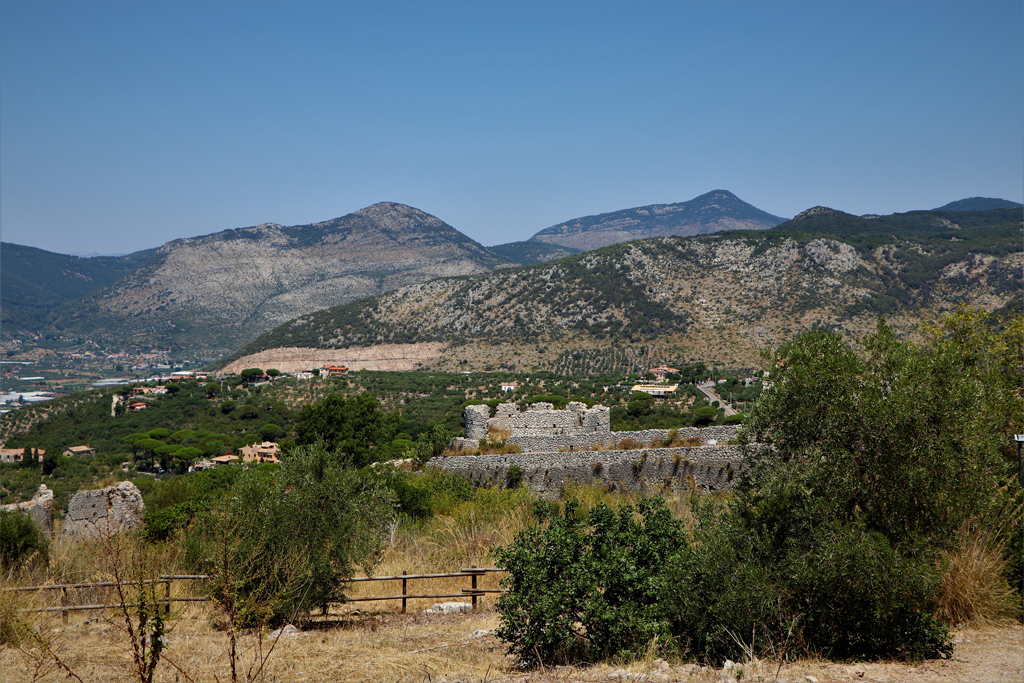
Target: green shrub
x,y
780,567
22,542
290,540
513,476
587,587
704,415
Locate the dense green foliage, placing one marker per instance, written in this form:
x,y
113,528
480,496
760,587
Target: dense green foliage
x,y
777,569
880,459
21,541
587,587
350,426
311,524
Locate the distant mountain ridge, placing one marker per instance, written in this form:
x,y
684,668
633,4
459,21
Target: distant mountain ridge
x,y
527,253
209,294
711,212
980,204
35,281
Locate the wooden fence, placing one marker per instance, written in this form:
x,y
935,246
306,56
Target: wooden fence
x,y
472,573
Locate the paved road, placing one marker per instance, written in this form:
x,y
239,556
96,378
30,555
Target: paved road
x,y
708,389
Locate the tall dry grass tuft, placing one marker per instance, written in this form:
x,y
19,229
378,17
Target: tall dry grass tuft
x,y
974,589
496,434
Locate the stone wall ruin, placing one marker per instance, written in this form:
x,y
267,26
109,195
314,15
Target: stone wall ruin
x,y
103,512
40,508
541,428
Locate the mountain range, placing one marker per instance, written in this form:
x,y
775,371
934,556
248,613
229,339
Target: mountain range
x,y
209,295
212,293
724,295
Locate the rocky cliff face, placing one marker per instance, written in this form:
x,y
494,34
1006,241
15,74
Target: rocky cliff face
x,y
711,212
220,290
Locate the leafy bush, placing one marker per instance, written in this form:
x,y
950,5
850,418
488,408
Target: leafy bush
x,y
349,427
513,476
780,568
586,587
704,415
290,542
21,541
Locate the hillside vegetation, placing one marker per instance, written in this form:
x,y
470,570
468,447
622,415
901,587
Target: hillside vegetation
x,y
721,295
36,281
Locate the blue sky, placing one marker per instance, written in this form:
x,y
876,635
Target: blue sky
x,y
125,125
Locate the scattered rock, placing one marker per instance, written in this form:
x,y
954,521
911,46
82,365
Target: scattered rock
x,y
810,679
285,632
450,608
482,633
729,664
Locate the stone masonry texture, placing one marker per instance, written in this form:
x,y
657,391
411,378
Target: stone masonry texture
x,y
711,468
544,429
40,508
103,512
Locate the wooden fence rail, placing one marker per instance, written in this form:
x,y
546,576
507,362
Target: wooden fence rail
x,y
473,592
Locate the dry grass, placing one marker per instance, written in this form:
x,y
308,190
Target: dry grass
x,y
974,588
371,641
497,434
380,646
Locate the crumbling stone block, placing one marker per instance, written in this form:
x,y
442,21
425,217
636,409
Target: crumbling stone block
x,y
104,512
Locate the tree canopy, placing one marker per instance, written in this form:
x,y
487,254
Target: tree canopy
x,y
352,427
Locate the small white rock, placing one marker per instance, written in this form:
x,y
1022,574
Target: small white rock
x,y
728,665
452,608
285,632
810,679
482,633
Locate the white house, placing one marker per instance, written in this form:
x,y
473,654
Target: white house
x,y
658,391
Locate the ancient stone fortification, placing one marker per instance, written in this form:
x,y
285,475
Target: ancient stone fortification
x,y
39,508
540,420
103,512
710,468
542,428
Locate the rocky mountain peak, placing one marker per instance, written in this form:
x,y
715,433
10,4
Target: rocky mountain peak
x,y
710,212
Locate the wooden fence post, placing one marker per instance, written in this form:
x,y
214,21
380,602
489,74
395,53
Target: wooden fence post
x,y
404,581
167,596
64,603
473,586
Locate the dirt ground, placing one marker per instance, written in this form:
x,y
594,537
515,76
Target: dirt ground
x,y
382,646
